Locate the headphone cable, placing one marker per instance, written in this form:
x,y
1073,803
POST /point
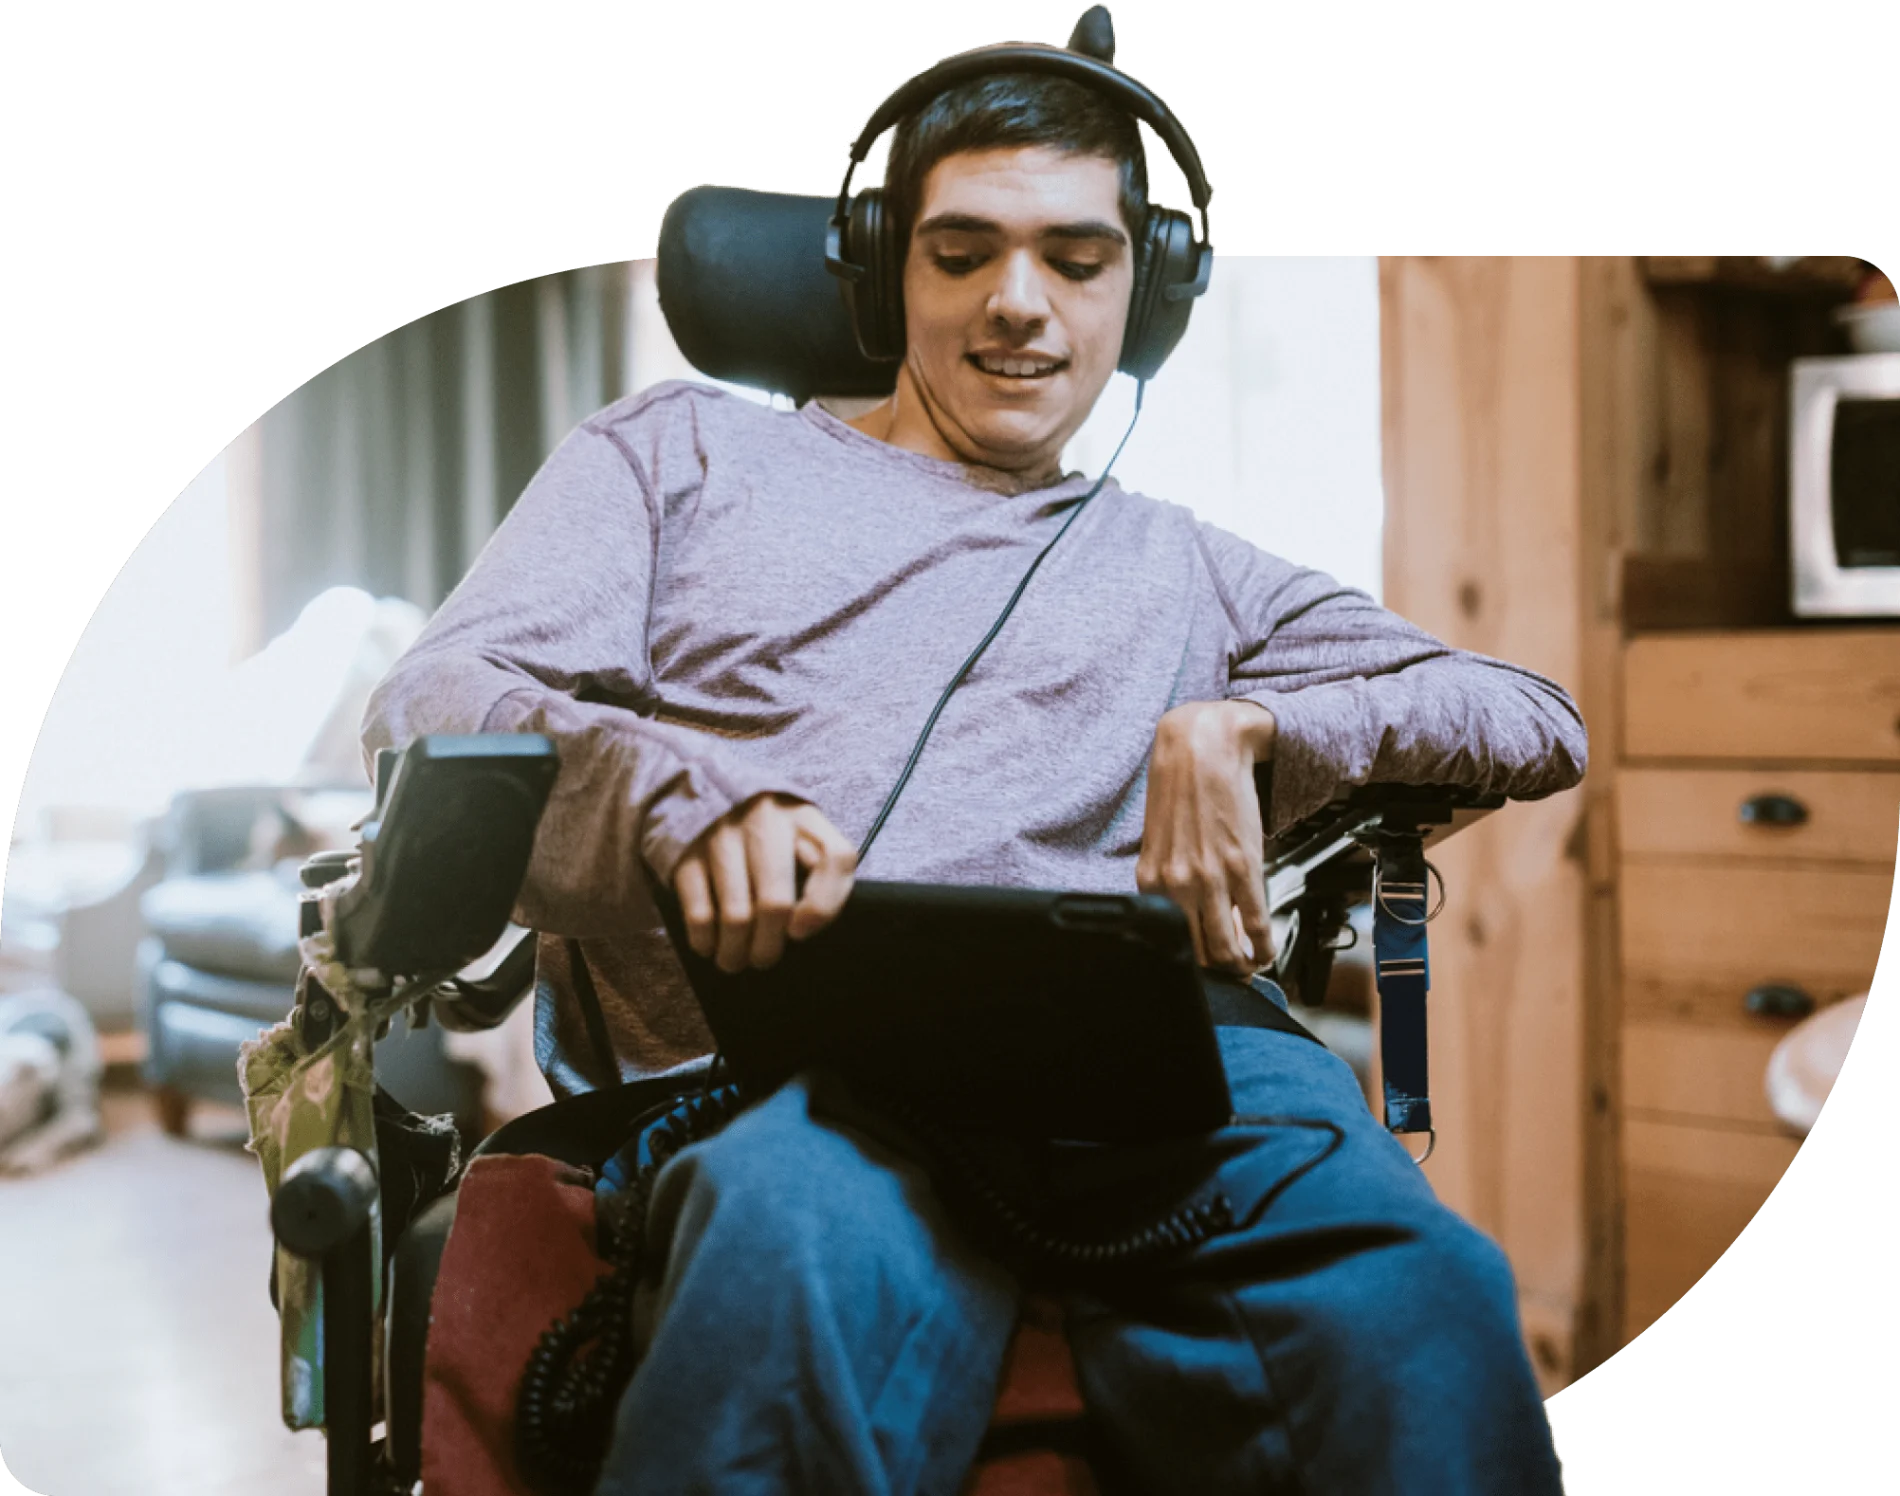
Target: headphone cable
x,y
956,680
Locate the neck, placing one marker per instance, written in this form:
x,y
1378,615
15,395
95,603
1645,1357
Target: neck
x,y
910,419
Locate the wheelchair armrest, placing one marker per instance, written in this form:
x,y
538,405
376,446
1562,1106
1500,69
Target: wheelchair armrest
x,y
1341,832
469,1004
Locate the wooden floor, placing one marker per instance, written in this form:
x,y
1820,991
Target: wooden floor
x,y
138,1348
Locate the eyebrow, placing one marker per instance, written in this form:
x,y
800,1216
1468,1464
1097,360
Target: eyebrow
x,y
969,223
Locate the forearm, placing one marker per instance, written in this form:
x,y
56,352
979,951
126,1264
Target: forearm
x,y
547,634
630,796
1451,719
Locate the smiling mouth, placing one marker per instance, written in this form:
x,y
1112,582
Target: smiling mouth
x,y
1010,367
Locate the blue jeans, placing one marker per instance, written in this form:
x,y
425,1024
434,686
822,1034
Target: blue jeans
x,y
824,1324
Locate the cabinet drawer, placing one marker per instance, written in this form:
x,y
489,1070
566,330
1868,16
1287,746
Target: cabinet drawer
x,y
1700,1072
1850,816
1811,694
1696,936
1689,1191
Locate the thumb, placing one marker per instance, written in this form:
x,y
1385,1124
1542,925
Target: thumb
x,y
826,882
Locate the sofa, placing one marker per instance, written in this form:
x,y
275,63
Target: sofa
x,y
219,959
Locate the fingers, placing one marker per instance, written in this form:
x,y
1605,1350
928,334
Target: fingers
x,y
738,884
831,863
768,842
732,892
1219,930
693,885
1225,903
1253,916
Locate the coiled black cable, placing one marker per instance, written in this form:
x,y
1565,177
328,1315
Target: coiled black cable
x,y
1018,1227
564,1411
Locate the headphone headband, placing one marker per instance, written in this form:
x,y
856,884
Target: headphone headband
x,y
1171,265
1034,57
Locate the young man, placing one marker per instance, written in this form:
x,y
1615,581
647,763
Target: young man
x,y
733,621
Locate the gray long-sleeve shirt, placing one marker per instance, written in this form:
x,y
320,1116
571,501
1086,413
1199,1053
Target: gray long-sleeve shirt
x,y
701,599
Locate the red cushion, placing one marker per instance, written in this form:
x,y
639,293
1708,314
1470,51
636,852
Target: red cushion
x,y
1039,1386
521,1253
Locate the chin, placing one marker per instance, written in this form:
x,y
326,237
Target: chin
x,y
1020,426
1007,436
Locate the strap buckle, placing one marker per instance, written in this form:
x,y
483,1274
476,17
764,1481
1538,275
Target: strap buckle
x,y
1385,892
1431,1142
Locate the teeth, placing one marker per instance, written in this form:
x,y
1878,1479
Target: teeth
x,y
1018,368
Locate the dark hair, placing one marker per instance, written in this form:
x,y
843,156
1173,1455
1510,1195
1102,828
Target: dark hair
x,y
1012,109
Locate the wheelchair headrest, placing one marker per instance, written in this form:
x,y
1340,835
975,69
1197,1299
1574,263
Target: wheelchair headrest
x,y
744,289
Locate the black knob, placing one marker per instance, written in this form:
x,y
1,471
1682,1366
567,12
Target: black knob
x,y
1094,34
1773,810
323,1200
1778,1000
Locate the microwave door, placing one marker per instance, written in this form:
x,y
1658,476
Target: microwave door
x,y
1864,483
1845,486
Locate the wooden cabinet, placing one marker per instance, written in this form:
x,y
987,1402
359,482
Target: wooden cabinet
x,y
1840,815
1784,696
1586,473
1689,1189
1757,807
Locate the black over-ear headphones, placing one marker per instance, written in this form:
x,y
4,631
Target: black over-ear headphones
x,y
1171,266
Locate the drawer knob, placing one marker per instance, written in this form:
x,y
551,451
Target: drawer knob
x,y
1773,810
1778,1000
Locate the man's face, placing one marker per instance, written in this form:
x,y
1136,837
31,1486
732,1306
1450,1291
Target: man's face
x,y
1016,292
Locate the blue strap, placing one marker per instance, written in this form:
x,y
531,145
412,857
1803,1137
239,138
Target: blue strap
x,y
1402,971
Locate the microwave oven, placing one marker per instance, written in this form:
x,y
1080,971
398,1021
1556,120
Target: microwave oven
x,y
1844,486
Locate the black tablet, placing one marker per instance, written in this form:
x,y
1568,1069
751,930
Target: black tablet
x,y
1078,1016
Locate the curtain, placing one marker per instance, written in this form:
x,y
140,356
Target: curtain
x,y
390,469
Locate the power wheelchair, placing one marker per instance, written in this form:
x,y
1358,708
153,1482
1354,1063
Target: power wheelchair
x,y
407,926
399,922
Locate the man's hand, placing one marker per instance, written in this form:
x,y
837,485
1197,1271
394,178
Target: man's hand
x,y
1201,839
738,883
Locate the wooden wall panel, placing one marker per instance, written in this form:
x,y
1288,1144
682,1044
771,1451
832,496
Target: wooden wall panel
x,y
1485,548
1620,427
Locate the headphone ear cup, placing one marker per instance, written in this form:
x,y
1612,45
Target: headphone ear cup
x,y
876,299
1165,257
889,266
1141,293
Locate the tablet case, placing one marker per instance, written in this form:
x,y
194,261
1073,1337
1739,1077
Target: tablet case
x,y
1028,1012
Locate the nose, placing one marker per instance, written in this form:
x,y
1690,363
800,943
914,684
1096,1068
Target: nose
x,y
1019,301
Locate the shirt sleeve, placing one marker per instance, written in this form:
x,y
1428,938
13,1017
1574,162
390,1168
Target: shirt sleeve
x,y
1362,696
551,618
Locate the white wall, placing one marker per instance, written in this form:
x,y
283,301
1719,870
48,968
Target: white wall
x,y
164,630
1265,420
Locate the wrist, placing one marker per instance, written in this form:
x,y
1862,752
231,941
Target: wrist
x,y
1255,726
